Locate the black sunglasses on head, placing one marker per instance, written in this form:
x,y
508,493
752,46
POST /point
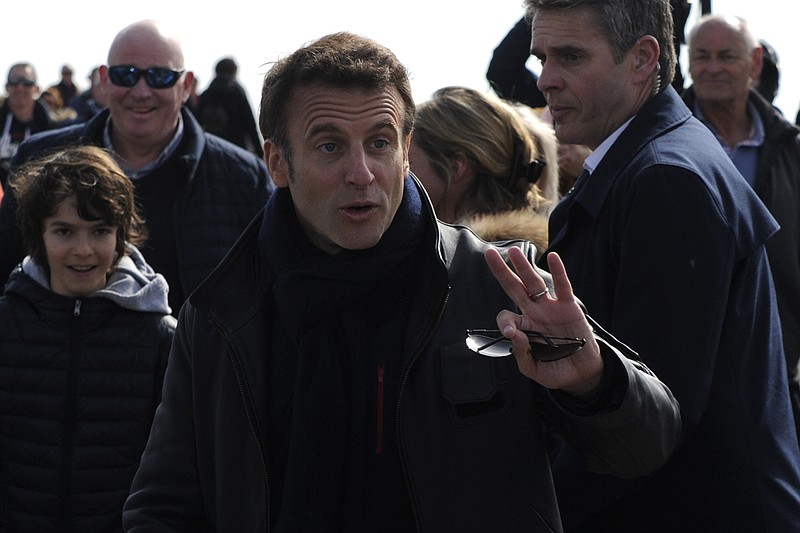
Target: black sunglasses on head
x,y
491,343
21,81
155,77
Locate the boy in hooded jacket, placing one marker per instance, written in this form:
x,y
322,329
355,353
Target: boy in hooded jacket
x,y
85,330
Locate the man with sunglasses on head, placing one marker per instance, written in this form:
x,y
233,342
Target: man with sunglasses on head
x,y
197,191
21,115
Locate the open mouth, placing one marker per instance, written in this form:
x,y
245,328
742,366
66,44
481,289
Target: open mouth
x,y
359,212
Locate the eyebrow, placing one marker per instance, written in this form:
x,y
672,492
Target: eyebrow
x,y
92,223
328,127
728,50
561,50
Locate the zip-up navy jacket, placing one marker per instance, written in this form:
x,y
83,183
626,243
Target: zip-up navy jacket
x,y
665,243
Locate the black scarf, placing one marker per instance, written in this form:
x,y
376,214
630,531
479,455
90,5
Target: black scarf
x,y
337,320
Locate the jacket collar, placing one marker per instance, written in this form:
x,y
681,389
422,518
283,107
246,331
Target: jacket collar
x,y
776,128
244,281
190,150
660,114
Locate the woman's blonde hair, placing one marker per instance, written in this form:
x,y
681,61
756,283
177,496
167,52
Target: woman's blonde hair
x,y
498,142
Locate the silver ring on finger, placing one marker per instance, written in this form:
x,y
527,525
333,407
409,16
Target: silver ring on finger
x,y
538,295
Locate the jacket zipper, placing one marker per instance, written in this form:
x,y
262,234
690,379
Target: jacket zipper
x,y
379,424
69,419
237,372
425,341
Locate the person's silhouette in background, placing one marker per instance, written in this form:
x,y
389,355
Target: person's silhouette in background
x,y
224,110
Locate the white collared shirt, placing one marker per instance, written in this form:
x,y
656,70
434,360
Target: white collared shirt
x,y
600,152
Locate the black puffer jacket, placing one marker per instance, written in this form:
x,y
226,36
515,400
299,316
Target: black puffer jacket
x,y
225,187
79,383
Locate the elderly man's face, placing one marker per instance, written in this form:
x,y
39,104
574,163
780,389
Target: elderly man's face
x,y
348,163
722,67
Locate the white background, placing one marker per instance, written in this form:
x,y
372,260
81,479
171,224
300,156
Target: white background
x,y
441,42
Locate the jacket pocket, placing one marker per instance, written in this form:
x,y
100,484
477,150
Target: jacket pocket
x,y
475,387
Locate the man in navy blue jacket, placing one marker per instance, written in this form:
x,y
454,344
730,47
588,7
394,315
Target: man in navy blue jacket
x,y
665,242
197,192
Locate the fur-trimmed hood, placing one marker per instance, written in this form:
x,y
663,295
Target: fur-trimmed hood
x,y
517,224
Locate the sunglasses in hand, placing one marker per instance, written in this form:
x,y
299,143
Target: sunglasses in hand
x,y
491,343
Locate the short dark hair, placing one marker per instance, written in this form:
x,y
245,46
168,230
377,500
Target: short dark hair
x,y
89,173
226,68
339,60
624,22
769,81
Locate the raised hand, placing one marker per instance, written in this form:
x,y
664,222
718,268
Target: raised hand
x,y
553,313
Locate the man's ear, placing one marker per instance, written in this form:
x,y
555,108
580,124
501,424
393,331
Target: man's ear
x,y
758,65
188,85
277,164
644,56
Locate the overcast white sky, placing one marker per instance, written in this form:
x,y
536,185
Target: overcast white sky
x,y
442,42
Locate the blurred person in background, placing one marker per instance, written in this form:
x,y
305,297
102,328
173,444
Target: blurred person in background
x,y
224,110
60,114
21,115
91,101
66,85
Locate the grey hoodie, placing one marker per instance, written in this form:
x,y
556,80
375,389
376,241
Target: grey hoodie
x,y
132,285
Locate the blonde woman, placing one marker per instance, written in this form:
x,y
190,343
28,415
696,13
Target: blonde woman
x,y
484,164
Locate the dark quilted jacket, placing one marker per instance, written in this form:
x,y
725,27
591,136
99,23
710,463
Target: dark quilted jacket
x,y
79,384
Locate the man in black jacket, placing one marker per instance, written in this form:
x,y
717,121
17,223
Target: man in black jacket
x,y
21,115
725,61
197,192
224,110
320,379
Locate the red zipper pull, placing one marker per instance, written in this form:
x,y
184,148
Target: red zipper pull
x,y
379,426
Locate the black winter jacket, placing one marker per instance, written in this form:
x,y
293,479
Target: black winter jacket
x,y
40,122
79,384
472,445
224,110
225,187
